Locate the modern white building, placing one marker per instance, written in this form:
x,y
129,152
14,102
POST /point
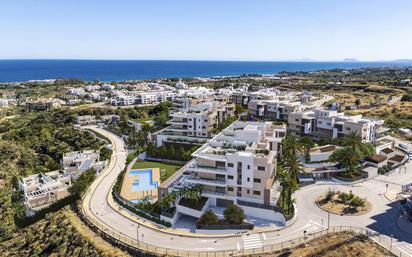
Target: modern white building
x,y
330,124
238,166
75,163
41,190
196,122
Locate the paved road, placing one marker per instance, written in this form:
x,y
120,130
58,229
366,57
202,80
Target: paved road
x,y
381,218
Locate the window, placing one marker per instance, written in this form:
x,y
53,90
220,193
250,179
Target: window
x,y
248,179
205,120
319,122
328,124
230,189
247,191
256,192
297,120
256,180
230,165
229,177
261,168
248,167
347,128
203,127
297,126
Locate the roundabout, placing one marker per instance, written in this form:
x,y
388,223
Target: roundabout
x,y
342,203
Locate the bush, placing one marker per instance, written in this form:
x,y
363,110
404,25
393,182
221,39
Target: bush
x,y
234,214
208,218
329,195
81,184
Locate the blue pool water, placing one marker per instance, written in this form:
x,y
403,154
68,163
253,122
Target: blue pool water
x,y
144,181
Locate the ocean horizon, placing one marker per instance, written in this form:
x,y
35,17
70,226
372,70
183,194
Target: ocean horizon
x,y
122,70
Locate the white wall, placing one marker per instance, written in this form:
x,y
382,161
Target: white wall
x,y
264,214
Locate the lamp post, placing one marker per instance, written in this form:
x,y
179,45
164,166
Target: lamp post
x,y
328,219
137,232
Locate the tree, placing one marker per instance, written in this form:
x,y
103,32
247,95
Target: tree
x,y
172,154
354,151
234,214
168,200
290,147
357,102
163,152
208,218
294,167
357,202
81,184
307,143
239,109
282,177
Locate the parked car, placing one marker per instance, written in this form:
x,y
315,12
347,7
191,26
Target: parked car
x,y
403,146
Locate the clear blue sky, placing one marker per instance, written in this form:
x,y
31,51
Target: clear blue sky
x,y
206,30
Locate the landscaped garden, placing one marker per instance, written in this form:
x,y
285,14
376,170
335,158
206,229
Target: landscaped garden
x,y
342,203
166,170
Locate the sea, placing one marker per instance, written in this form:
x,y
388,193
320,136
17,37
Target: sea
x,y
122,70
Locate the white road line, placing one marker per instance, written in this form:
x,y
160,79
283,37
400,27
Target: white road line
x,y
406,248
251,241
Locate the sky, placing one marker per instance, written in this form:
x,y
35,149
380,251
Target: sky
x,y
262,30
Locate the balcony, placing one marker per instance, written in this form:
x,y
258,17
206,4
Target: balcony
x,y
205,181
208,193
206,169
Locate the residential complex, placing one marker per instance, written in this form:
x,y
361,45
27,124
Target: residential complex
x,y
329,124
238,166
196,122
40,190
42,104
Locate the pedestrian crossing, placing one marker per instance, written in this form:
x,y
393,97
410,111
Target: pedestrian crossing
x,y
251,241
405,248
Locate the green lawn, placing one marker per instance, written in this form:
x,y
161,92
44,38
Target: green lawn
x,y
169,168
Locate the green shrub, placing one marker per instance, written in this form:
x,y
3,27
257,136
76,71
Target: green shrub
x,y
234,214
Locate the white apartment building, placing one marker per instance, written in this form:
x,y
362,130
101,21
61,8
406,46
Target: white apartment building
x,y
198,121
75,163
274,109
238,166
331,124
40,190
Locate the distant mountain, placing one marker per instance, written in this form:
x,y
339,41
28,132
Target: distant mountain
x,y
402,60
350,60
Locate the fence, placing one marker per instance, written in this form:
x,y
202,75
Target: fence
x,y
141,248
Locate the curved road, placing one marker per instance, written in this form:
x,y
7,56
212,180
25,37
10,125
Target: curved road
x,y
381,218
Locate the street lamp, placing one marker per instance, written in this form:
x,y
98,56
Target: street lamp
x,y
137,233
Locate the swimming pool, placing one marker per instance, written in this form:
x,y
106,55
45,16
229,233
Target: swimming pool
x,y
144,180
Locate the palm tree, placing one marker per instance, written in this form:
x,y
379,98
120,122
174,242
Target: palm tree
x,y
294,167
292,187
168,200
355,151
290,147
307,143
283,178
354,141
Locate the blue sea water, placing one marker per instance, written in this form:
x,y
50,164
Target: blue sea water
x,y
108,70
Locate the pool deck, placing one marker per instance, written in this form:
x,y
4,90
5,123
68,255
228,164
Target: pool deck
x,y
127,185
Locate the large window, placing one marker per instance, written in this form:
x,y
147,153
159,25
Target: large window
x,y
256,192
230,165
257,180
261,168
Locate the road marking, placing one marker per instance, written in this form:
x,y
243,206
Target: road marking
x,y
251,241
405,248
238,246
264,236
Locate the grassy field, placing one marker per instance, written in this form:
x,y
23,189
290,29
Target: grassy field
x,y
335,245
169,169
